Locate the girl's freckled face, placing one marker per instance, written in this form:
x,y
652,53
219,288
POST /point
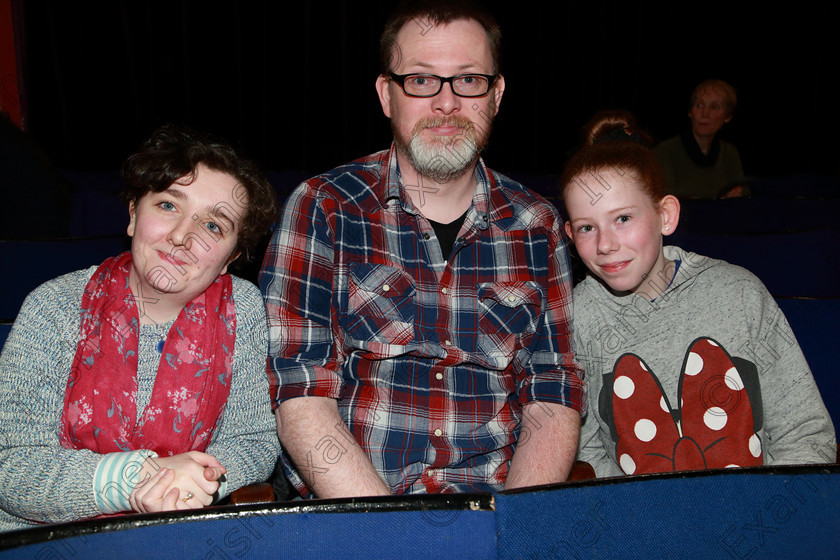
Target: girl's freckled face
x,y
619,234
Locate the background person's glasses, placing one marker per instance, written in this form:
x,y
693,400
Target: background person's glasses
x,y
429,85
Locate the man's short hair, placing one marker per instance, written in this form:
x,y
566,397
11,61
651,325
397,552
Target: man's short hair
x,y
429,13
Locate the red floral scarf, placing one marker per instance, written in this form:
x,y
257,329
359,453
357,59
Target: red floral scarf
x,y
193,377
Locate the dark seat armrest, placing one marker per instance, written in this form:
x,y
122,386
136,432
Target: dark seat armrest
x,y
581,471
254,494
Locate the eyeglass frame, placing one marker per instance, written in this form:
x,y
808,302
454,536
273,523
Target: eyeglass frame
x,y
401,78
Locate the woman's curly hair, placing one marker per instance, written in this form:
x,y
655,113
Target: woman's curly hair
x,y
173,153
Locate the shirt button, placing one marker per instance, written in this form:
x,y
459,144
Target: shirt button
x,y
444,290
439,376
510,298
385,287
448,343
426,236
438,432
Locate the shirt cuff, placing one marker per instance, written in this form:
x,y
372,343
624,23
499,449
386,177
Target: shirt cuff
x,y
115,478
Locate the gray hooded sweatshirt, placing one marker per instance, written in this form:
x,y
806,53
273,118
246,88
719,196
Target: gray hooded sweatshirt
x,y
708,375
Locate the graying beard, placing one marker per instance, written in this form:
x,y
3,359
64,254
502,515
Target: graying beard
x,y
446,163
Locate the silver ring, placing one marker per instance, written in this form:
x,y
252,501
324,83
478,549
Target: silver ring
x,y
188,497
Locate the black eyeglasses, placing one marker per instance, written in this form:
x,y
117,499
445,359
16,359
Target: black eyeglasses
x,y
429,85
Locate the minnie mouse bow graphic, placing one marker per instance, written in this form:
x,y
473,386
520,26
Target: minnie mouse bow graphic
x,y
715,424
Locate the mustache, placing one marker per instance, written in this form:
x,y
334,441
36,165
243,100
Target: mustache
x,y
453,120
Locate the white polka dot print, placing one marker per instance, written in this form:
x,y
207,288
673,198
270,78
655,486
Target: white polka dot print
x,y
624,387
627,463
645,430
733,380
694,364
755,446
715,418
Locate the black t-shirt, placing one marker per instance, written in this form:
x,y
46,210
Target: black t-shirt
x,y
447,234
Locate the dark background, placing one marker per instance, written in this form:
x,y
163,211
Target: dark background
x,y
292,83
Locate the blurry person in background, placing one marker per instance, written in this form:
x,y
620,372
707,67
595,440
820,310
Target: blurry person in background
x,y
697,164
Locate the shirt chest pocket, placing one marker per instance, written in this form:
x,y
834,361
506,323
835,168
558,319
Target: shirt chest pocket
x,y
509,313
381,304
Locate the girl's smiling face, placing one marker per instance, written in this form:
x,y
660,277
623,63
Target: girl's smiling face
x,y
617,230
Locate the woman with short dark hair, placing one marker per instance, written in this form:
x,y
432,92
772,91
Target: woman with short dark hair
x,y
140,384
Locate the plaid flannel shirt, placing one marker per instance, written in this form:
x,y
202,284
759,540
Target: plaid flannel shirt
x,y
430,361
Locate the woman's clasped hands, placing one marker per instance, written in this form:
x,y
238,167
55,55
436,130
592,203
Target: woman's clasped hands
x,y
185,481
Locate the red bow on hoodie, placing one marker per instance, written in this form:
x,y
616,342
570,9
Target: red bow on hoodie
x,y
711,427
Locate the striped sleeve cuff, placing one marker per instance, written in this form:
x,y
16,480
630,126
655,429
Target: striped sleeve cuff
x,y
222,491
115,477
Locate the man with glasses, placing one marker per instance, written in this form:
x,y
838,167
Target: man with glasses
x,y
419,303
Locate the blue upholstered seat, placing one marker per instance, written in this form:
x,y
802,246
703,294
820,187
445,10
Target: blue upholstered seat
x,y
26,264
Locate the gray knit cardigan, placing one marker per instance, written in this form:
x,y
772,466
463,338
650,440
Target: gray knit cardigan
x,y
42,482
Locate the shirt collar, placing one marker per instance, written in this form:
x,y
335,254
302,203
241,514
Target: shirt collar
x,y
392,190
